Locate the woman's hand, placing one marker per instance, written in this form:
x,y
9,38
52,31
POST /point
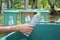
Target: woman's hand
x,y
25,28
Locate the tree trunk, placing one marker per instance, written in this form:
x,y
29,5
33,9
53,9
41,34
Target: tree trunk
x,y
9,4
34,4
26,4
0,6
52,3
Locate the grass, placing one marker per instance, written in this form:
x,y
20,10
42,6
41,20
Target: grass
x,y
2,35
1,21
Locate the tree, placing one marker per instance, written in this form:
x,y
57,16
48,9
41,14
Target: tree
x,y
26,4
18,4
52,3
0,5
42,4
53,13
58,3
34,4
9,4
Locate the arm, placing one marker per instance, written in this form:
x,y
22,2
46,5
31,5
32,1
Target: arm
x,y
21,28
7,29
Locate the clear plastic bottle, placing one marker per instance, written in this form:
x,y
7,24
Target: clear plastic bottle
x,y
34,20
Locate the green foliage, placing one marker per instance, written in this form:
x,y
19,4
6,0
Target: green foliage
x,y
4,1
43,3
1,21
2,35
31,3
58,3
18,4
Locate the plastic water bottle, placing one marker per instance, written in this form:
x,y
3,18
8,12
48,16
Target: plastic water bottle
x,y
34,20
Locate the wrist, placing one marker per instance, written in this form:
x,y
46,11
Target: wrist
x,y
17,28
14,28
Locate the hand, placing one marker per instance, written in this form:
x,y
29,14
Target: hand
x,y
25,28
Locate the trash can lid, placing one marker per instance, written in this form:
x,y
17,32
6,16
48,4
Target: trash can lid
x,y
26,10
41,10
33,10
11,10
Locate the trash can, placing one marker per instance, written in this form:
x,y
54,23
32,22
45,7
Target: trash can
x,y
14,36
40,32
44,14
10,17
27,15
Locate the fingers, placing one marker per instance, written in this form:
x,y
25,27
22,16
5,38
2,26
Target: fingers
x,y
28,32
29,25
30,28
26,28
